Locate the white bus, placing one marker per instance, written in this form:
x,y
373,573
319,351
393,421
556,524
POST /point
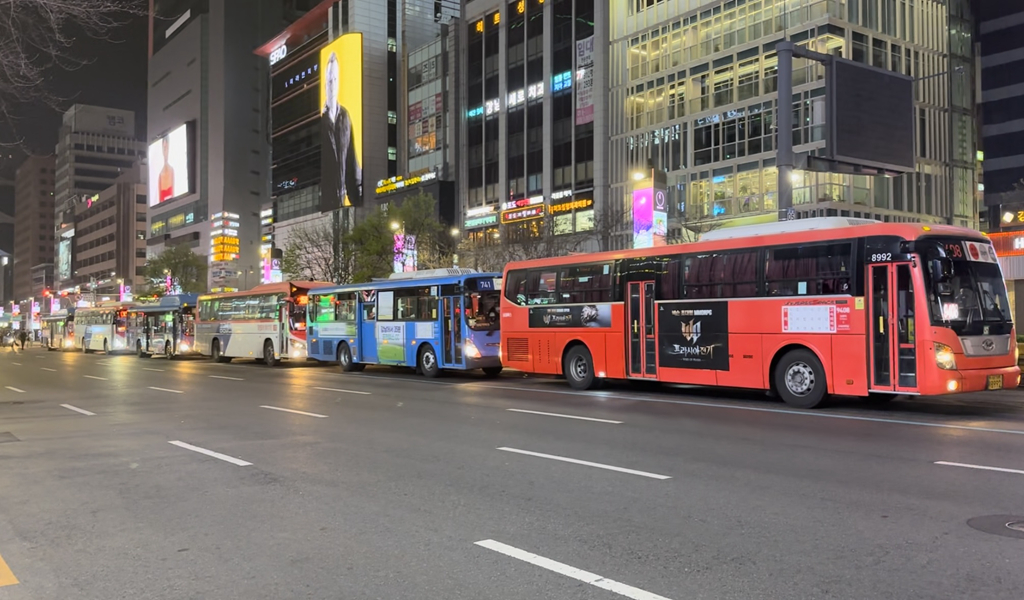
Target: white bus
x,y
102,328
266,323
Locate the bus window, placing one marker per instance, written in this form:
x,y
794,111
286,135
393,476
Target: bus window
x,y
345,307
296,316
369,312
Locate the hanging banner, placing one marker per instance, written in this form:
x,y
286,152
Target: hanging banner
x,y
585,81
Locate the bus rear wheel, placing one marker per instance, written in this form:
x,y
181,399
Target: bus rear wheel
x,y
139,352
491,371
428,362
345,359
579,369
268,354
800,379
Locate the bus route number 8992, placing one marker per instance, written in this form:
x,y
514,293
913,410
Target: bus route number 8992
x,y
882,257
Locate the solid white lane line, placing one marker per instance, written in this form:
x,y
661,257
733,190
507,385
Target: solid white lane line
x,y
224,457
79,410
342,391
782,411
981,467
225,377
585,463
14,389
563,569
547,414
148,369
14,363
298,412
94,377
48,369
166,390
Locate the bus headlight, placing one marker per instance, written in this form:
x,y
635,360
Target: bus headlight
x,y
944,357
183,347
471,349
69,343
298,349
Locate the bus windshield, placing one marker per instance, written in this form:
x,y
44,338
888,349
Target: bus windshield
x,y
973,300
297,315
483,310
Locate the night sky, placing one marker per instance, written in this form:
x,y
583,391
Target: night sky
x,y
116,78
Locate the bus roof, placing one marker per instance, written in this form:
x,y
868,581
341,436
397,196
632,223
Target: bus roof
x,y
768,234
284,287
400,283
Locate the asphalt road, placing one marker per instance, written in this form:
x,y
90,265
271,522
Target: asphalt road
x,y
394,487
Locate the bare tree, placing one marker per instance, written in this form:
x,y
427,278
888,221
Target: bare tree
x,y
36,37
311,253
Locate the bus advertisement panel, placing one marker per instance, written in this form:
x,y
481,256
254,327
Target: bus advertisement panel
x,y
102,328
803,308
430,320
266,323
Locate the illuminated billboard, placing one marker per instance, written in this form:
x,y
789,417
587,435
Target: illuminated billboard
x,y
170,161
341,122
643,217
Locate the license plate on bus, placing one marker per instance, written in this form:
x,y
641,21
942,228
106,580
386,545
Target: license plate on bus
x,y
995,382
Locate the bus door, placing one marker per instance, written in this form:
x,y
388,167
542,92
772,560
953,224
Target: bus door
x,y
451,332
893,327
367,339
642,348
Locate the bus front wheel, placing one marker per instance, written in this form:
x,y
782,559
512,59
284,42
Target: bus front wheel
x,y
217,356
579,369
428,362
138,350
492,371
268,354
345,359
800,379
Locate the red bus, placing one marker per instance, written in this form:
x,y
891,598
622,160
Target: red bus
x,y
803,308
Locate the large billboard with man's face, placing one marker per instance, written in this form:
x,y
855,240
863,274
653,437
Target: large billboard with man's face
x,y
170,160
341,122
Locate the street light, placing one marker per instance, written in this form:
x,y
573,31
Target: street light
x,y
638,175
395,226
455,232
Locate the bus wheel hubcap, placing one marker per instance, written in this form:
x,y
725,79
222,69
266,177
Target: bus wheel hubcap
x,y
428,361
800,379
579,368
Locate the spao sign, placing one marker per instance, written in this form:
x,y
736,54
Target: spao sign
x,y
278,53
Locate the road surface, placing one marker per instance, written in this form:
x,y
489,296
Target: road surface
x,y
129,478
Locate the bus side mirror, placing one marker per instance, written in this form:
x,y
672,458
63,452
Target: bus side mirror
x,y
942,270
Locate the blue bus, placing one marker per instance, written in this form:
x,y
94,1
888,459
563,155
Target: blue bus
x,y
431,320
166,328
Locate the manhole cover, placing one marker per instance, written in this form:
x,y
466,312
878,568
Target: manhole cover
x,y
7,436
1005,525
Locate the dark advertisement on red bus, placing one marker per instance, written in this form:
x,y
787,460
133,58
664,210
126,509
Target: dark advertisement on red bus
x,y
579,315
694,335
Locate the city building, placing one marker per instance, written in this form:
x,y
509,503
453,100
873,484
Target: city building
x,y
1001,39
33,235
535,119
95,146
1000,27
110,243
6,280
693,95
380,115
208,130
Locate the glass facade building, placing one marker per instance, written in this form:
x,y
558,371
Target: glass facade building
x,y
693,92
534,107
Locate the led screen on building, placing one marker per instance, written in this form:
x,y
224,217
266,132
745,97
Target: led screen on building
x,y
341,122
170,160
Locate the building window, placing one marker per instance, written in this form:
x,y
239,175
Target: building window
x,y
392,117
392,45
392,153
